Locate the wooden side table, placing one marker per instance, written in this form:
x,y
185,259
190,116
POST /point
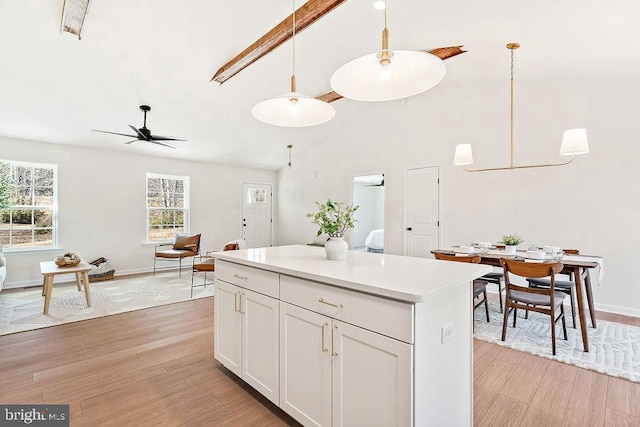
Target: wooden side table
x,y
49,269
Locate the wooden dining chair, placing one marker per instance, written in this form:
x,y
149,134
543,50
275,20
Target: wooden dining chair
x,y
542,300
479,285
567,286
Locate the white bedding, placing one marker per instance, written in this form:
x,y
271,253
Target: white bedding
x,y
375,239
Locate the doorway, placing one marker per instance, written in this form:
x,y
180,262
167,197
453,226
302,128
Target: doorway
x,y
369,194
422,207
256,214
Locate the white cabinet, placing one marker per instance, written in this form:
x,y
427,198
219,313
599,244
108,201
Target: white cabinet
x,y
337,374
247,336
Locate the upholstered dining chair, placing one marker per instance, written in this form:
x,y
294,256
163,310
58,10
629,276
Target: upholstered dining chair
x,y
206,263
567,286
184,246
542,300
479,285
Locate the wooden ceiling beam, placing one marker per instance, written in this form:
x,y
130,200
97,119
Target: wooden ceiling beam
x,y
441,52
73,14
306,15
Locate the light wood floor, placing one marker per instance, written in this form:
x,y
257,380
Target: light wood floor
x,y
155,367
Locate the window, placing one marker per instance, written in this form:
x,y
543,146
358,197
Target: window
x,y
28,205
167,206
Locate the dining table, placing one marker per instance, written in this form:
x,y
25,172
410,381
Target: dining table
x,y
578,265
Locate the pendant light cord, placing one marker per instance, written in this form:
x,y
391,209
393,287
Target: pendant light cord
x,y
293,48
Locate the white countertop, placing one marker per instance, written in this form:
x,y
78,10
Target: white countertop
x,y
392,276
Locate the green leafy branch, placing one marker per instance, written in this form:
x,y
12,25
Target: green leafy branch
x,y
334,218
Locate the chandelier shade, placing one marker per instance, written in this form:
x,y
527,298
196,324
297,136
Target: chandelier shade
x,y
293,109
574,142
463,155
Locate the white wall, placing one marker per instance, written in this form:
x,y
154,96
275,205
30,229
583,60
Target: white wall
x,y
591,204
101,198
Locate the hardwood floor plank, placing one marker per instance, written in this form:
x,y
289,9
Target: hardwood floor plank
x,y
524,382
483,356
615,418
486,389
549,403
623,396
563,370
504,412
588,400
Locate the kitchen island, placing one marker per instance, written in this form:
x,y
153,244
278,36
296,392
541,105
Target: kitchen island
x,y
374,340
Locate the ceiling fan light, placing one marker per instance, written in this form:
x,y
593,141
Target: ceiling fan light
x,y
293,109
574,142
463,155
409,73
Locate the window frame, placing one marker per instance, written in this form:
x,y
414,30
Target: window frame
x,y
54,209
186,209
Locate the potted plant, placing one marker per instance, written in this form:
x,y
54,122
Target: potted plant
x,y
334,219
511,241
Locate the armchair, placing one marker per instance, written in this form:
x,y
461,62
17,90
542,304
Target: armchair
x,y
185,246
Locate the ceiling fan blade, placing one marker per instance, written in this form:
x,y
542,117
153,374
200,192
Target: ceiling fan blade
x,y
134,140
153,141
140,134
113,133
166,138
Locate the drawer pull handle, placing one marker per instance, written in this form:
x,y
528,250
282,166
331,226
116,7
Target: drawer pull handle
x,y
333,331
324,348
330,303
235,302
240,277
240,310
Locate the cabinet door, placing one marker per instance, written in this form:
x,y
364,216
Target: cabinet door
x,y
260,344
305,365
372,381
227,326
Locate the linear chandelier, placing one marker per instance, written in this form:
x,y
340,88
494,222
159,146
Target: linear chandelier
x,y
574,141
293,109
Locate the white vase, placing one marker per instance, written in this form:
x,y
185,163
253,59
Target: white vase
x,y
510,249
336,248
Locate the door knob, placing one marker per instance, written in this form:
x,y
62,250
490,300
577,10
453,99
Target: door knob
x,y
409,229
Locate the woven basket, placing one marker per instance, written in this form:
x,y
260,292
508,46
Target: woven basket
x,y
108,275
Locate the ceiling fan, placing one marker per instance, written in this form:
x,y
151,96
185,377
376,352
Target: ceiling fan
x,y
144,134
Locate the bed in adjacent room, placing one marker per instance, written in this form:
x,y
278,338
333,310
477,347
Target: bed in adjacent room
x,y
375,241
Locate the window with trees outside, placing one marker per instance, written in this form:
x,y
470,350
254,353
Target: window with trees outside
x,y
28,205
167,206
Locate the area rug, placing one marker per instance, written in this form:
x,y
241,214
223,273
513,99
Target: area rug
x,y
21,309
614,348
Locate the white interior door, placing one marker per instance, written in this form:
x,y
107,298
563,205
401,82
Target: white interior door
x,y
256,214
422,210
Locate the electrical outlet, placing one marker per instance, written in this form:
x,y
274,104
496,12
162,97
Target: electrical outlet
x,y
447,332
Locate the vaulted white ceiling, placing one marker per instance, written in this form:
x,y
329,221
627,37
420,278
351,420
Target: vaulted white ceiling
x,y
54,88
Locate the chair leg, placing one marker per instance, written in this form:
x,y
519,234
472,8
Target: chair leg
x,y
500,295
486,304
154,266
564,323
526,313
553,331
505,319
515,315
573,307
179,267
